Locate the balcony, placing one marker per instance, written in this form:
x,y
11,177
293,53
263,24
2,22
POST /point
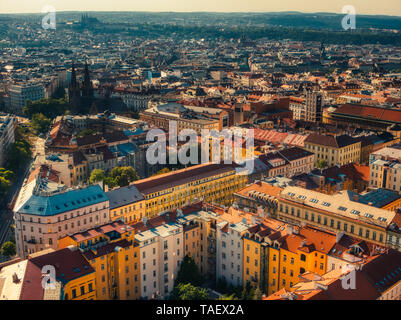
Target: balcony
x,y
94,246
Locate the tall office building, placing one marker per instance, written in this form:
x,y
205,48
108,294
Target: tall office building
x,y
313,106
21,93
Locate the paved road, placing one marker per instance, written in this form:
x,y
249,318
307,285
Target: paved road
x,y
6,215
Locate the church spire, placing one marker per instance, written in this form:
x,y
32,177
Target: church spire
x,y
87,89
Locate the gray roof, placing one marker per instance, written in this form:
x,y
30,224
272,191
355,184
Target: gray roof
x,y
124,196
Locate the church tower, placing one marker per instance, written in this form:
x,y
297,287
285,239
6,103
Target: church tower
x,y
74,94
87,89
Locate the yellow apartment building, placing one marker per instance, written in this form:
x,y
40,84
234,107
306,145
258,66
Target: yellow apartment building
x,y
113,254
275,254
126,204
297,253
207,237
213,183
339,212
192,241
199,235
335,150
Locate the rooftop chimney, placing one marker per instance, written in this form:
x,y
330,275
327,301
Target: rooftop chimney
x,y
339,236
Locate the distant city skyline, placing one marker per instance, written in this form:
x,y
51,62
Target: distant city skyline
x,y
371,7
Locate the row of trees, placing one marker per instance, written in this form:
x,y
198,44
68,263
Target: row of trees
x,y
42,112
118,176
18,155
231,292
189,282
6,177
50,108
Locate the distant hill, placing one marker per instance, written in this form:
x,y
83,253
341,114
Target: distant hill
x,y
320,20
321,27
289,19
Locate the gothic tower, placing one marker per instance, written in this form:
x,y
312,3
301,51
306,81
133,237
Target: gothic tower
x,y
74,94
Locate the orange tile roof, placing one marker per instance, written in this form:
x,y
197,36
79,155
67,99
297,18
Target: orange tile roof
x,y
315,240
261,187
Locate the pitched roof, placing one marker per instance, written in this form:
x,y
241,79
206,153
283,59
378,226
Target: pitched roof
x,y
124,196
331,141
69,264
179,177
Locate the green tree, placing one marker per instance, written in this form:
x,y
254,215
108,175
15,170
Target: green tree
x,y
5,185
187,291
228,297
97,175
40,123
162,171
6,174
321,164
247,292
18,154
189,272
110,182
50,108
123,175
257,294
8,249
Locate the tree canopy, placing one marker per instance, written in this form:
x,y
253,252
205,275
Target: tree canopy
x,y
40,123
321,164
18,154
119,176
164,170
8,249
189,272
50,108
122,176
97,175
189,292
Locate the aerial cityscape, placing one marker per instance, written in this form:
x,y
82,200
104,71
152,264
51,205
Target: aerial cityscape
x,y
200,155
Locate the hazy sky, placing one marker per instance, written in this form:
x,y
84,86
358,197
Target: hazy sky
x,y
389,7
